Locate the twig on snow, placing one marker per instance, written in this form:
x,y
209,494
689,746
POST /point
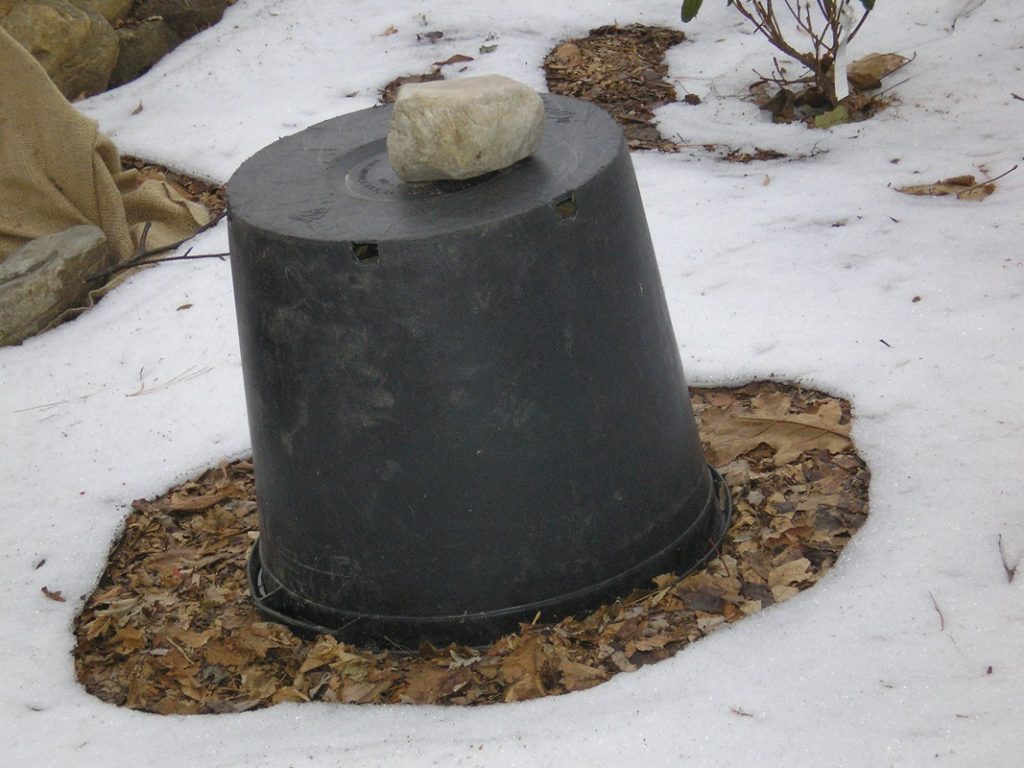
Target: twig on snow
x,y
142,254
942,619
969,8
1011,571
186,375
990,181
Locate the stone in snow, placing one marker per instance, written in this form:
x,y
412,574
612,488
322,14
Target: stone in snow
x,y
458,129
45,277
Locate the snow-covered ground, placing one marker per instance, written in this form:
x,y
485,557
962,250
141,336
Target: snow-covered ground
x,y
794,269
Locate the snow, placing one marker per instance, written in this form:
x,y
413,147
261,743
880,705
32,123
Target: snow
x,y
794,269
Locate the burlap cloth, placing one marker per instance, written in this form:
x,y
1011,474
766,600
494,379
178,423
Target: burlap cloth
x,y
57,170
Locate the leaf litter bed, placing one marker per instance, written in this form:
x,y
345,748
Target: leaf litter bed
x,y
170,627
623,70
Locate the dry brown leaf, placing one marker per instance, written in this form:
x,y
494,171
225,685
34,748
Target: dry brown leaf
x,y
566,56
522,669
53,594
288,694
866,73
708,621
784,592
225,654
458,58
579,677
260,637
790,574
964,187
197,503
192,639
435,684
770,420
129,639
362,692
322,654
389,91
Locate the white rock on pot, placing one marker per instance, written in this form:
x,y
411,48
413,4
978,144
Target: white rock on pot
x,y
458,129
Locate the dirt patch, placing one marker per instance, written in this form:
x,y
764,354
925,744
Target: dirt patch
x,y
171,629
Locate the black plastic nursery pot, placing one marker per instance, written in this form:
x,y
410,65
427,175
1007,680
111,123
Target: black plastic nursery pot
x,y
466,401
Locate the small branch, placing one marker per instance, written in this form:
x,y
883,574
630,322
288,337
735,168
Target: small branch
x,y
909,60
856,29
1011,571
942,619
718,553
969,7
142,254
187,256
1018,98
990,181
181,650
894,85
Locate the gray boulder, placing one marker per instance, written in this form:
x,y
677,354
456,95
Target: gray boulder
x,y
46,277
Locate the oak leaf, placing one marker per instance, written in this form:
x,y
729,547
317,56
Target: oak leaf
x,y
522,669
964,187
734,431
579,677
197,503
433,684
225,654
790,574
866,73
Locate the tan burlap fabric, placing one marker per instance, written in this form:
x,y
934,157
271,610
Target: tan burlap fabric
x,y
57,170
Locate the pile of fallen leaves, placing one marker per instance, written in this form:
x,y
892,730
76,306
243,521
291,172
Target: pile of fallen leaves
x,y
170,627
212,196
809,105
623,70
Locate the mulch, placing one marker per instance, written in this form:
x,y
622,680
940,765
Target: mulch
x,y
170,628
623,70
